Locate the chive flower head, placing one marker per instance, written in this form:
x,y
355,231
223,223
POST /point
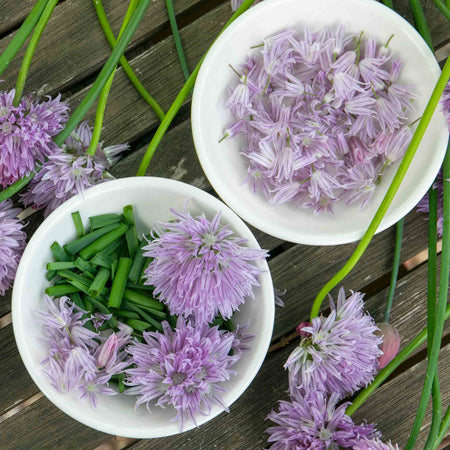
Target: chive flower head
x,y
26,133
12,244
200,269
183,368
69,171
338,353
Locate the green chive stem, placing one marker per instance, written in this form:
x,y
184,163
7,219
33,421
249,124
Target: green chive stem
x,y
440,310
22,34
177,38
26,62
79,244
142,300
99,282
59,253
445,9
103,220
445,424
59,265
147,317
138,325
125,313
395,267
103,20
119,283
79,227
181,97
102,242
390,194
60,290
103,97
420,21
138,262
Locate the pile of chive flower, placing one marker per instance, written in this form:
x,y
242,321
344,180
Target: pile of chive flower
x,y
336,356
322,115
119,321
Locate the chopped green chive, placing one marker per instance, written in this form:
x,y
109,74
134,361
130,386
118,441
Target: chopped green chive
x,y
102,242
59,265
119,283
138,325
104,220
60,290
142,300
99,282
79,228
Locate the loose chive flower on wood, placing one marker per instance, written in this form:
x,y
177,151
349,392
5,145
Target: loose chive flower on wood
x,y
80,359
338,353
374,444
12,244
26,133
69,171
314,421
183,368
200,269
321,116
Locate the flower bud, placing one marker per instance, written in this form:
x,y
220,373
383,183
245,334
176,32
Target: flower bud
x,y
299,329
108,351
390,345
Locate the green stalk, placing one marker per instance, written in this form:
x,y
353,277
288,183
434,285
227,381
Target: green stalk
x,y
60,290
443,429
388,3
91,96
181,97
176,38
119,283
102,242
26,62
104,74
99,282
420,21
395,267
440,310
445,9
385,372
103,98
79,228
390,194
431,310
22,34
124,63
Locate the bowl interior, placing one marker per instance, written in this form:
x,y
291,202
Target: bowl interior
x,y
226,168
151,198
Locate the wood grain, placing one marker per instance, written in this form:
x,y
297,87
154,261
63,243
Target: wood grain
x,y
14,13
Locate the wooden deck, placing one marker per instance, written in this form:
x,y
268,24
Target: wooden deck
x,y
69,56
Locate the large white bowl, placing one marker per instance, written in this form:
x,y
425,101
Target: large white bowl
x,y
226,168
152,198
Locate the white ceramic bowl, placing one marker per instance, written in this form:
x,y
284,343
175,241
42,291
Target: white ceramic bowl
x,y
152,198
226,168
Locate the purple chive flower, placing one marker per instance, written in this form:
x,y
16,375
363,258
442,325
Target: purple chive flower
x,y
200,269
315,421
12,244
340,353
241,340
183,368
374,444
69,171
79,359
26,133
322,114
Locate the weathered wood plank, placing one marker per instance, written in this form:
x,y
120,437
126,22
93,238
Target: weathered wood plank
x,y
14,13
15,384
73,47
42,426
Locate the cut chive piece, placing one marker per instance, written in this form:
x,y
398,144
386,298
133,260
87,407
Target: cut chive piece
x,y
119,283
229,325
103,220
79,228
100,259
88,305
111,248
79,244
61,289
59,265
59,253
75,297
102,242
147,317
160,315
50,274
173,321
147,261
132,238
142,300
72,276
141,288
99,282
138,325
121,385
138,263
103,309
125,313
85,266
217,322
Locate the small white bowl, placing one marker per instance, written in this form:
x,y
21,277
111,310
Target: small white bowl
x,y
151,198
226,168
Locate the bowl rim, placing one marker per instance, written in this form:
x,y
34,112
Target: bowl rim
x,y
68,405
200,142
